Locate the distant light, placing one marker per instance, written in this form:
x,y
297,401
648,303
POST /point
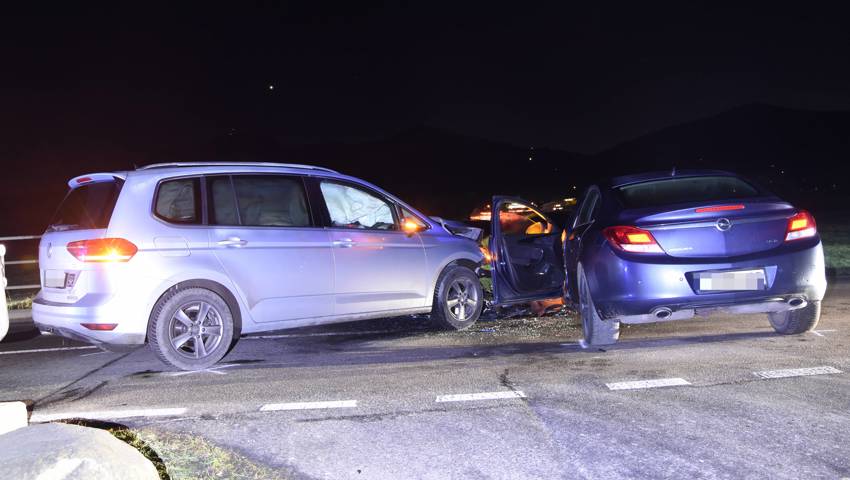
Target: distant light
x,y
271,87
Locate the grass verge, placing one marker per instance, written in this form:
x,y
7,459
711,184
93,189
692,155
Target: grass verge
x,y
19,303
182,456
178,456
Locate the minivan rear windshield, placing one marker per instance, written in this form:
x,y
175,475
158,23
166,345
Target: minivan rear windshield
x,y
87,206
685,190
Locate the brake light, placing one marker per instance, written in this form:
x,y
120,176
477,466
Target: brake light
x,y
102,327
83,180
103,250
632,239
801,225
720,208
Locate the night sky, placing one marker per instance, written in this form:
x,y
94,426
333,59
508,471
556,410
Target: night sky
x,y
575,78
86,85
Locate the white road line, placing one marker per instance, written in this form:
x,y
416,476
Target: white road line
x,y
206,370
321,334
797,372
94,353
273,407
820,333
468,397
659,382
108,414
38,350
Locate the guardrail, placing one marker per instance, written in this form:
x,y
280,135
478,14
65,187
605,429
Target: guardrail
x,y
19,262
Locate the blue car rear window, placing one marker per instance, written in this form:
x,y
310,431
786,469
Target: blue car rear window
x,y
685,190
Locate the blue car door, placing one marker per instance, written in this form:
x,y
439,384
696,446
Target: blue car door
x,y
527,253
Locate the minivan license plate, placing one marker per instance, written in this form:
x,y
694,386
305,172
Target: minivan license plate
x,y
726,281
54,279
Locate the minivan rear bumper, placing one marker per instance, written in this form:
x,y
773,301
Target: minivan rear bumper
x,y
66,321
635,292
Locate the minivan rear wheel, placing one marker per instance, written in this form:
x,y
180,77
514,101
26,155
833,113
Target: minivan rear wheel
x,y
458,299
191,329
596,330
796,321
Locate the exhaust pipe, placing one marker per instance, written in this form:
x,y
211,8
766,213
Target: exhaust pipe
x,y
662,313
796,302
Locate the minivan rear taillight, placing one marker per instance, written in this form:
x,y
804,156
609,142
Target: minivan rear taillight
x,y
103,250
632,239
801,225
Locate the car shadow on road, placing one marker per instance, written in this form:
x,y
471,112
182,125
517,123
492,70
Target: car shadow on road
x,y
350,350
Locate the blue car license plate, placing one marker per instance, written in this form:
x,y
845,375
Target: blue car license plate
x,y
741,280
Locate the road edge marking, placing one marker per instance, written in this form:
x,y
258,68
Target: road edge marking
x,y
796,372
276,407
38,350
108,414
472,397
654,383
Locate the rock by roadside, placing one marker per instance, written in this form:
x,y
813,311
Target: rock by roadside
x,y
70,452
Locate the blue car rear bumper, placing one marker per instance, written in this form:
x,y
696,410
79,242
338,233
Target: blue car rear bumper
x,y
628,287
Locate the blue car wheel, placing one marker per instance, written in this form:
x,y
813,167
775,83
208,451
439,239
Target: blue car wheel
x,y
596,331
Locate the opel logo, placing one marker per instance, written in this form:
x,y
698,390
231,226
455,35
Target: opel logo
x,y
723,224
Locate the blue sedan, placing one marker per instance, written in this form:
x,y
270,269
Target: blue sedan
x,y
661,247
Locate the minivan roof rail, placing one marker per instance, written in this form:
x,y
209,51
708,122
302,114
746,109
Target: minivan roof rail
x,y
234,164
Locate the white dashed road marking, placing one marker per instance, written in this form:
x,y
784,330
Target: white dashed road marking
x,y
820,333
108,414
38,350
215,370
468,397
273,407
660,382
797,372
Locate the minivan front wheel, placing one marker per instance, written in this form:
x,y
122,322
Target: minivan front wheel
x,y
596,330
458,299
191,329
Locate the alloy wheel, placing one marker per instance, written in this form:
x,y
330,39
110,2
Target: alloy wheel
x,y
462,299
195,330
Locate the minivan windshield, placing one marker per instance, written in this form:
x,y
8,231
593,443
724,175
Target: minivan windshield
x,y
87,206
685,190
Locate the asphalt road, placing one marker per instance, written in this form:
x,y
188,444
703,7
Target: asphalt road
x,y
395,403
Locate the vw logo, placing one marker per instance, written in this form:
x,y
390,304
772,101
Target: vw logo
x,y
723,224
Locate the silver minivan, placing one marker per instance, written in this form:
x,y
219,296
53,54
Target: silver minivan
x,y
188,257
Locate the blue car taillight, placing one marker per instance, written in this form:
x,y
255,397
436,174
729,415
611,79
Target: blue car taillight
x,y
632,239
801,225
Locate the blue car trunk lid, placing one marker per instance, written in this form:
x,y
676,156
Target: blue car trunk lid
x,y
725,229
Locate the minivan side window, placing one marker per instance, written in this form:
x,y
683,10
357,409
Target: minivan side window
x,y
179,201
352,207
222,201
270,201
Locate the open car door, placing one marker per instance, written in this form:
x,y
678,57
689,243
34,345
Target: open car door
x,y
526,251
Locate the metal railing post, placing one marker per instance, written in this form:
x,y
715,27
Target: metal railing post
x,y
4,312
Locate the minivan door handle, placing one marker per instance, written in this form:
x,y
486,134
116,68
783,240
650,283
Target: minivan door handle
x,y
232,242
344,243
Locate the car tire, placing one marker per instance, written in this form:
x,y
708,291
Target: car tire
x,y
796,321
458,299
597,332
191,329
